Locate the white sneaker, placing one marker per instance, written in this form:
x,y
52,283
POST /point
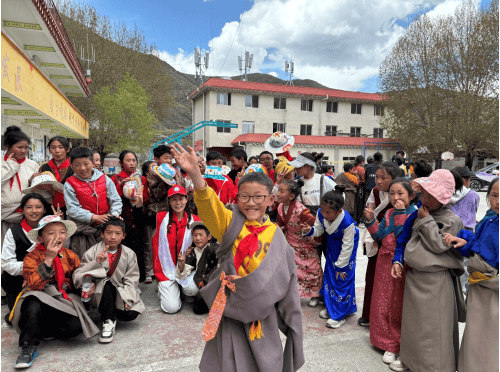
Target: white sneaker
x,y
334,323
108,330
148,280
398,366
313,302
389,357
324,314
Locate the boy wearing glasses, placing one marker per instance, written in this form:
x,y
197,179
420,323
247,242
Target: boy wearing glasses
x,y
245,320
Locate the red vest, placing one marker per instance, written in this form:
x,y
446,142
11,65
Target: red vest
x,y
94,202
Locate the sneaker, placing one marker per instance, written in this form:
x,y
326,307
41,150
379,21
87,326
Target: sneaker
x,y
389,357
334,323
313,302
7,319
25,359
148,280
363,322
398,366
324,314
108,330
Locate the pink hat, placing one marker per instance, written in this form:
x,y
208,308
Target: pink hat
x,y
440,184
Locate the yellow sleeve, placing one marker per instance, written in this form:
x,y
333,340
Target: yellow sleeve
x,y
212,212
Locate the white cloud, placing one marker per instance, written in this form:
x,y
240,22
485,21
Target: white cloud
x,y
338,43
447,8
273,73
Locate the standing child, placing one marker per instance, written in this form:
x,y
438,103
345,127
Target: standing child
x,y
158,189
386,305
291,215
350,182
479,348
59,166
115,273
342,237
132,208
257,266
91,199
172,238
433,300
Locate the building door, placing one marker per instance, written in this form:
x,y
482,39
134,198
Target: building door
x,y
248,127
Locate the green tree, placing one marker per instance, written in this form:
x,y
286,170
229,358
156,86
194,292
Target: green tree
x,y
125,120
441,84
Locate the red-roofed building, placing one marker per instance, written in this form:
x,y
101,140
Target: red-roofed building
x,y
337,122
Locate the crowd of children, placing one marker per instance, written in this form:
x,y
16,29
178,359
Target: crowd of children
x,y
244,245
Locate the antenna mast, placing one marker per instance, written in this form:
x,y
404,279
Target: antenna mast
x,y
89,59
248,65
200,67
289,70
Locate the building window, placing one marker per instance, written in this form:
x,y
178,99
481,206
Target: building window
x,y
378,110
378,133
248,127
224,129
332,106
331,130
251,101
280,103
224,99
355,131
347,159
279,127
306,105
306,129
356,108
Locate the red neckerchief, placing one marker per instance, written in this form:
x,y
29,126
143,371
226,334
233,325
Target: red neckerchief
x,y
124,174
57,265
25,226
248,245
55,168
17,175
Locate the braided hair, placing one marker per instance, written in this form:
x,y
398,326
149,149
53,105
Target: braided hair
x,y
334,199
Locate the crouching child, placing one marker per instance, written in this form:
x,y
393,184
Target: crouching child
x,y
199,264
45,309
115,273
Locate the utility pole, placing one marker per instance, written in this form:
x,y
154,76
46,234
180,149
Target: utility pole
x,y
200,67
248,65
289,70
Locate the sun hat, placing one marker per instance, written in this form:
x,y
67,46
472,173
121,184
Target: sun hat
x,y
283,165
300,161
225,170
45,178
165,171
463,171
279,142
440,184
70,226
214,172
177,190
255,168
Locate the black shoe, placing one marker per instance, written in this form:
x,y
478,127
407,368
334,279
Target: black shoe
x,y
363,322
7,319
25,359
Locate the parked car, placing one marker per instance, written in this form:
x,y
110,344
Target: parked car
x,y
479,181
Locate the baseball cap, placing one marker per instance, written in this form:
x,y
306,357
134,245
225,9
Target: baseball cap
x,y
174,190
463,171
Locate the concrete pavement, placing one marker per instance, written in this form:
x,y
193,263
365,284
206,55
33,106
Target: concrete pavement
x,y
161,342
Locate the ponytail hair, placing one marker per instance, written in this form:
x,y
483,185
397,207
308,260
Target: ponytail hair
x,y
334,199
294,186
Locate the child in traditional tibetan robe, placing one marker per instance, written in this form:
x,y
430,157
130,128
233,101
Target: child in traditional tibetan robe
x,y
257,266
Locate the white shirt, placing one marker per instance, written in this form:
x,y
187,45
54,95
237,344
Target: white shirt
x,y
311,190
10,264
188,268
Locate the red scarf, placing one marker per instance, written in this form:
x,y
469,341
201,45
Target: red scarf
x,y
17,175
55,168
58,267
25,226
248,245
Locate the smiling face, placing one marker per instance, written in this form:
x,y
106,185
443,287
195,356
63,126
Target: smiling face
x,y
398,192
429,201
82,167
96,161
285,195
383,180
58,151
165,158
250,209
54,230
33,211
129,163
19,149
113,236
178,203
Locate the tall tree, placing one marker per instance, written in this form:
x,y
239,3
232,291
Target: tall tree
x,y
125,120
441,84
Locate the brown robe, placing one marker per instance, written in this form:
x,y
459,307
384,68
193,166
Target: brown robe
x,y
479,349
269,294
433,300
86,236
350,193
125,278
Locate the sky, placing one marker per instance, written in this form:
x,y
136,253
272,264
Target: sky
x,y
338,43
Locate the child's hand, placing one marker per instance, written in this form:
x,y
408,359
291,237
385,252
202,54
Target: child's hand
x,y
52,250
399,205
305,228
57,212
369,214
11,157
124,181
101,218
240,174
101,257
181,261
280,177
450,239
396,271
187,160
343,276
92,289
423,212
139,201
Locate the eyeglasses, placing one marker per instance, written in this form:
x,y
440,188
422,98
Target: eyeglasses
x,y
265,159
258,199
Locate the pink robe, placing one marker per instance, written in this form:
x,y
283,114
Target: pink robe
x,y
309,272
